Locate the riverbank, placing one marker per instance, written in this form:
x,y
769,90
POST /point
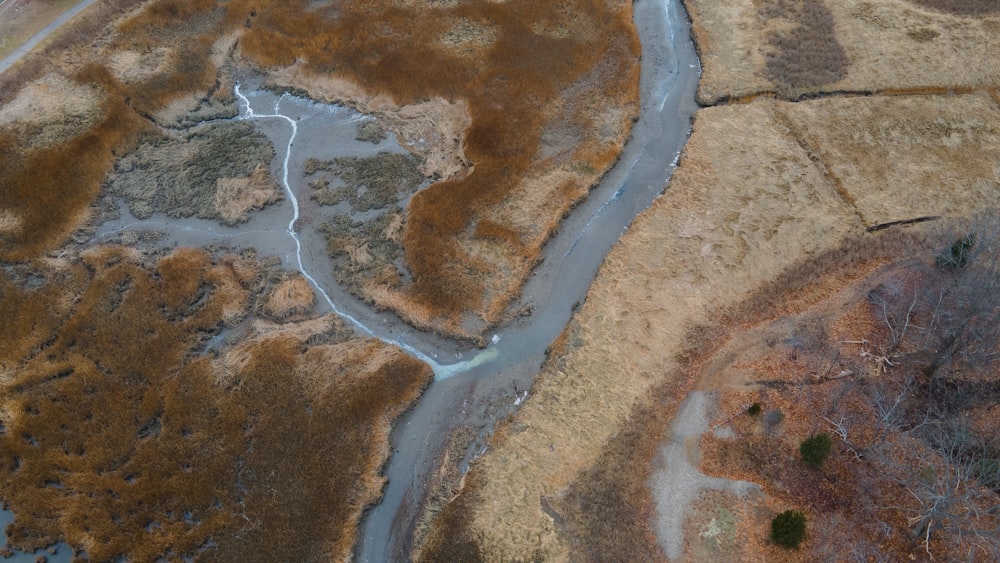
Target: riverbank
x,y
764,185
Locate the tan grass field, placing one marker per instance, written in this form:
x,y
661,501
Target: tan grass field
x,y
751,198
749,48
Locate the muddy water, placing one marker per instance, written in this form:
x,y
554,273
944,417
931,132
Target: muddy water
x,y
480,394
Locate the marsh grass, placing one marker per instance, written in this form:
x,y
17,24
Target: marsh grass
x,y
132,447
504,88
806,53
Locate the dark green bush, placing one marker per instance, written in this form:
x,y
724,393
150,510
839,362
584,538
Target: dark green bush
x,y
788,529
754,409
815,449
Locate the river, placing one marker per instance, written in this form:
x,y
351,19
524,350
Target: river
x,y
480,394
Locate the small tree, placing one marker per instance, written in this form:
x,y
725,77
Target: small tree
x,y
788,529
815,449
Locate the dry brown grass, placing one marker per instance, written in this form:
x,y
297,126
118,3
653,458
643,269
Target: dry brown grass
x,y
133,447
802,48
749,230
962,7
830,47
506,86
540,60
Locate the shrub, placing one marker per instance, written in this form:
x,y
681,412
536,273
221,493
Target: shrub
x,y
815,449
959,255
754,409
788,529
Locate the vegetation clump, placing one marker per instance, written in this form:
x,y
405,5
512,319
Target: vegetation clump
x,y
806,53
754,409
371,132
788,529
371,182
180,176
815,449
138,448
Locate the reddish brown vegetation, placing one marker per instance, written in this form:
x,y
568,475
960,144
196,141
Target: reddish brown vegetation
x,y
114,438
506,90
606,514
962,7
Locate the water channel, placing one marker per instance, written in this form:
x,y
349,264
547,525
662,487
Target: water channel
x,y
472,387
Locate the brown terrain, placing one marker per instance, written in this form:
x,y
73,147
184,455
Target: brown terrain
x,y
172,403
760,277
188,402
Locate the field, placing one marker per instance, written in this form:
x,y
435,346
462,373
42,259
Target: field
x,y
147,447
768,189
794,49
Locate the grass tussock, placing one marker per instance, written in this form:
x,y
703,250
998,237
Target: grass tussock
x,y
134,448
803,50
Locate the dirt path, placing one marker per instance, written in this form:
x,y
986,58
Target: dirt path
x,y
37,38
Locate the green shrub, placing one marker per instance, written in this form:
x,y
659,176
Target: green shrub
x,y
788,529
754,409
815,449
